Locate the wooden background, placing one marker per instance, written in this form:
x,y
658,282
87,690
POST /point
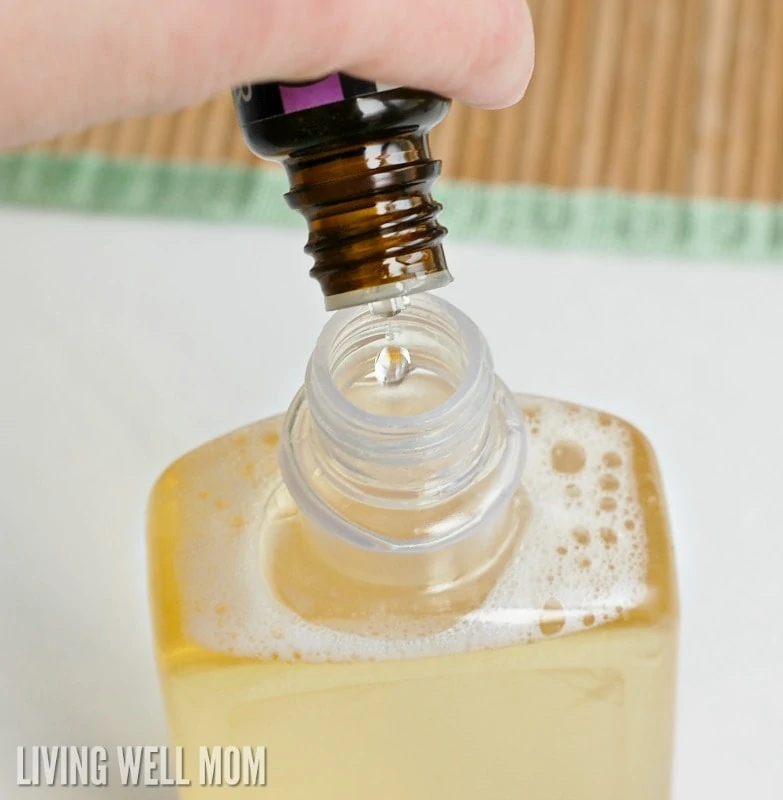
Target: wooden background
x,y
683,97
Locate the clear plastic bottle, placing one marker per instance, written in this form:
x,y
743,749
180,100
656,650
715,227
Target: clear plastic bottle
x,y
419,585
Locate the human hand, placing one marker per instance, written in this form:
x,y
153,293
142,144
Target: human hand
x,y
66,66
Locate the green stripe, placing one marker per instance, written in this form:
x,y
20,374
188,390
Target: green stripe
x,y
510,214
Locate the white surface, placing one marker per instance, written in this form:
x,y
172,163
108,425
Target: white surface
x,y
124,344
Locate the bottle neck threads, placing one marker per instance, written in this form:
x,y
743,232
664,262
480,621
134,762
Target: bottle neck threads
x,y
410,469
373,228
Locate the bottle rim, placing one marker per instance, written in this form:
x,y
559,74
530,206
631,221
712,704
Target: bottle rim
x,y
320,382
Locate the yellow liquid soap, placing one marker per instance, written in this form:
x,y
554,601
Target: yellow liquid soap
x,y
549,675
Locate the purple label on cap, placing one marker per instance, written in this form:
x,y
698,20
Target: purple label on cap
x,y
299,98
260,101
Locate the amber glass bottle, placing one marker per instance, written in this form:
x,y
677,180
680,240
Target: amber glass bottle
x,y
360,170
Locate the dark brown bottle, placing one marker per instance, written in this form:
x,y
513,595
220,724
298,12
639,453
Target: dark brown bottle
x,y
359,166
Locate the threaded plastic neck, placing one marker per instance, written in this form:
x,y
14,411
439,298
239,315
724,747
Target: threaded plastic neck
x,y
410,467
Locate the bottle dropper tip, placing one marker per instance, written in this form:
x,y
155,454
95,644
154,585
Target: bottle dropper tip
x,y
390,307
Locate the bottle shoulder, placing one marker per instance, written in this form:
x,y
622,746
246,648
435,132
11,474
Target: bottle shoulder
x,y
338,124
594,550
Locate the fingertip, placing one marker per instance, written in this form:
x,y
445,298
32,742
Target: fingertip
x,y
504,64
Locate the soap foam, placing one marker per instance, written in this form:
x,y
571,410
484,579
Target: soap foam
x,y
582,559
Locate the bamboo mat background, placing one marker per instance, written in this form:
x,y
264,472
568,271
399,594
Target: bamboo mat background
x,y
680,97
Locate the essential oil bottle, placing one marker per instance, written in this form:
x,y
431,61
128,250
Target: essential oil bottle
x,y
358,162
416,583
